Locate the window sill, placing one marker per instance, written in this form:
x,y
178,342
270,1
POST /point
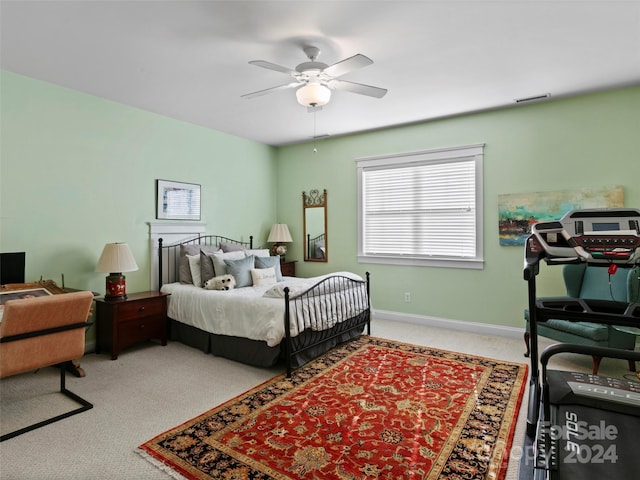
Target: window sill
x,y
474,264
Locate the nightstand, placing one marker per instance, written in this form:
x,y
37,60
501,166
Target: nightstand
x,y
288,269
139,317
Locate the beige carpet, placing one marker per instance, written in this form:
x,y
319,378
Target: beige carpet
x,y
151,388
371,408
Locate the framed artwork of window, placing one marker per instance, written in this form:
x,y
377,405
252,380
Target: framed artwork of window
x,y
177,200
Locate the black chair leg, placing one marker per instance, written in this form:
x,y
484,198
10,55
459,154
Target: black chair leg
x,y
527,337
85,405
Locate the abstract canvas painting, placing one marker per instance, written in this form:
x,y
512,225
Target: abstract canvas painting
x,y
519,211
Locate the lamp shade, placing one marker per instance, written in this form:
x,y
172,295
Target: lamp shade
x,y
313,95
279,233
116,257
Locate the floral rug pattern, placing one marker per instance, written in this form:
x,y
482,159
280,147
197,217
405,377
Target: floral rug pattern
x,y
368,409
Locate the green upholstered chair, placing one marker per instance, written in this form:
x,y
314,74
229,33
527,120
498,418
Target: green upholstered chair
x,y
582,281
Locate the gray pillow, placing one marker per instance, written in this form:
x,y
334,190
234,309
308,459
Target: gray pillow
x,y
231,247
184,272
241,270
268,262
219,267
206,267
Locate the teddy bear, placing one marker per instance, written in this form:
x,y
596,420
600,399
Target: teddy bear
x,y
221,282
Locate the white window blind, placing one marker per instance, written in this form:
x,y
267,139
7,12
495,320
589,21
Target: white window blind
x,y
422,208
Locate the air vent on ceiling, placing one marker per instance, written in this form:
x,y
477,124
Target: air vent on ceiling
x,y
537,98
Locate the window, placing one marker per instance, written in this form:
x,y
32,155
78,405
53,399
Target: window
x,y
422,208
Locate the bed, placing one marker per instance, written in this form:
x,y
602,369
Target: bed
x,y
278,319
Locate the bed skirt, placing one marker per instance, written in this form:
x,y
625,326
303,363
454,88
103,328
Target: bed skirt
x,y
251,352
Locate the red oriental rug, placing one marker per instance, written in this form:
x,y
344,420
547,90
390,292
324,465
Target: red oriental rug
x,y
370,408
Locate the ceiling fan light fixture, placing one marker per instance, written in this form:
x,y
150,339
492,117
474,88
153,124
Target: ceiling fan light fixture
x,y
313,95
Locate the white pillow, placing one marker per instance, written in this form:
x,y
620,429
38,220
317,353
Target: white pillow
x,y
219,267
263,276
257,252
194,267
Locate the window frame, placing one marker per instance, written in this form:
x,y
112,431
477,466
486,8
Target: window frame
x,y
438,156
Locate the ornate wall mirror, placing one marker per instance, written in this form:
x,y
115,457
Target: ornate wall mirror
x,y
314,217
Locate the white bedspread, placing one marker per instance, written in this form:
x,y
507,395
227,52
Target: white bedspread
x,y
256,313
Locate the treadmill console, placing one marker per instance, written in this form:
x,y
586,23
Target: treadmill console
x,y
607,235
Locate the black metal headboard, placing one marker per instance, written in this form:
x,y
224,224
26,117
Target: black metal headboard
x,y
169,255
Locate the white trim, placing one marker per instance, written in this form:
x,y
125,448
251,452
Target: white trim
x,y
449,324
439,155
173,228
90,347
423,155
475,264
170,232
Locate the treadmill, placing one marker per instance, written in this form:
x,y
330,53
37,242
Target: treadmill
x,y
582,426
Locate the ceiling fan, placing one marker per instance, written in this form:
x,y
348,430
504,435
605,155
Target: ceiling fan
x,y
317,79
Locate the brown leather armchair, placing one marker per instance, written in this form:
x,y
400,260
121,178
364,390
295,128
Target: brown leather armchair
x,y
41,332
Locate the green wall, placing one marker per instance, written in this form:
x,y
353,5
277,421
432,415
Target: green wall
x,y
583,141
78,171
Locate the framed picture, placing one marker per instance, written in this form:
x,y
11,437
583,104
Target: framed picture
x,y
177,200
15,291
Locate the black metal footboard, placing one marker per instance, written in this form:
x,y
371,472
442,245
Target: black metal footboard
x,y
328,311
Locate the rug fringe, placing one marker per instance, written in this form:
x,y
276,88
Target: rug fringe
x,y
160,465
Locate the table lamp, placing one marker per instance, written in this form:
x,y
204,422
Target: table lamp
x,y
115,259
279,235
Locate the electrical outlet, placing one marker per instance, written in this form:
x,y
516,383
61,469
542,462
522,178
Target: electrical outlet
x,y
407,297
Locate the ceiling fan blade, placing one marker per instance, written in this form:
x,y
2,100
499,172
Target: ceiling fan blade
x,y
358,88
348,65
271,90
273,66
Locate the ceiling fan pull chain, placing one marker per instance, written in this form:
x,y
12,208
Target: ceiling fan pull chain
x,y
315,136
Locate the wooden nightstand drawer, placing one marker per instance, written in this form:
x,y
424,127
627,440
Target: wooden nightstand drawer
x,y
288,269
138,330
121,323
139,308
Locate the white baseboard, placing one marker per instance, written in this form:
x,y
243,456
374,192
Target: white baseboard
x,y
89,346
450,324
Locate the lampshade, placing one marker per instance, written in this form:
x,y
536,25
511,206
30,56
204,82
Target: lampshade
x,y
279,233
115,259
313,95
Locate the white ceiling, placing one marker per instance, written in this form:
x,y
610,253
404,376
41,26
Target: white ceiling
x,y
189,59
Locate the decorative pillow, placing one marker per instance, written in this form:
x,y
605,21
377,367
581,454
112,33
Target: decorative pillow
x,y
258,252
268,262
207,271
231,247
241,270
263,276
194,266
184,271
219,267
